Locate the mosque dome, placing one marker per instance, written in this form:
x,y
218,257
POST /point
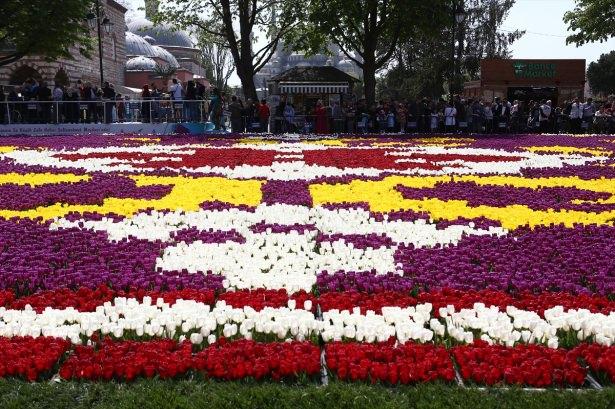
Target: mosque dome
x,y
136,46
164,55
345,65
140,63
163,34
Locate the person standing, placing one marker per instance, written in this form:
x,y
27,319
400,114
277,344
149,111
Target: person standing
x,y
402,116
236,110
215,108
589,110
477,116
203,104
191,105
263,115
488,115
320,113
450,114
146,105
44,96
58,106
248,115
576,116
72,107
289,118
108,95
545,116
177,96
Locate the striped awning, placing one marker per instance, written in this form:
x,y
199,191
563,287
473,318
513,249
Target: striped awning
x,y
314,87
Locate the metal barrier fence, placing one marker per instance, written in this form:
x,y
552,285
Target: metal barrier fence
x,y
102,111
164,110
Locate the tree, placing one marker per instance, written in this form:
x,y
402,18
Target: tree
x,y
422,63
43,27
237,23
367,31
594,20
601,74
165,72
217,60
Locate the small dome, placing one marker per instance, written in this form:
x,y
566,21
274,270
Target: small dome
x,y
319,58
140,63
345,64
163,54
163,34
136,45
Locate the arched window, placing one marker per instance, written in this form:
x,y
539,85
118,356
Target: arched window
x,y
61,78
21,74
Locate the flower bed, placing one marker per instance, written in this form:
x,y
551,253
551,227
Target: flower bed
x,y
402,260
127,360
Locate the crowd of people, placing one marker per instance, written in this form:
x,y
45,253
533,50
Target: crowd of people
x,y
461,115
36,102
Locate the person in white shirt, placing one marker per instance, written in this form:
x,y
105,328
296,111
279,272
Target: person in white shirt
x,y
176,90
589,110
450,114
176,95
289,117
576,115
488,115
545,116
58,93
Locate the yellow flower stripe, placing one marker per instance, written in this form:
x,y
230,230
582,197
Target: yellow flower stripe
x,y
326,142
140,139
38,179
187,194
256,141
568,150
383,197
7,149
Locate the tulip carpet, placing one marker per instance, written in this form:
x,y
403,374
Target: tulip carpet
x,y
484,261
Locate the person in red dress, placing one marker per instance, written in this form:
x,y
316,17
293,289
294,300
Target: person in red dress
x,y
322,125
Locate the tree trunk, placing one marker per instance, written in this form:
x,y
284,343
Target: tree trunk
x,y
369,80
247,81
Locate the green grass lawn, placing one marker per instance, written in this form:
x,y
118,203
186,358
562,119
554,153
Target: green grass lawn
x,y
204,394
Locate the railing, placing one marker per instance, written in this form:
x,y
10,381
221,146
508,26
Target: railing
x,y
103,111
164,110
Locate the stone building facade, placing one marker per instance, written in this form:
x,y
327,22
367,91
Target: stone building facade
x,y
79,68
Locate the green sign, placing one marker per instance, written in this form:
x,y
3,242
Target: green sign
x,y
533,70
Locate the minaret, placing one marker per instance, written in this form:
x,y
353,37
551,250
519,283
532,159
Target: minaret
x,y
151,8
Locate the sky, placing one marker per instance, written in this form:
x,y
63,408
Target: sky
x,y
545,31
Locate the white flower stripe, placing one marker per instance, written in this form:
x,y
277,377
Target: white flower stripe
x,y
297,169
199,322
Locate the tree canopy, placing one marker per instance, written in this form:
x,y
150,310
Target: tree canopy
x,y
217,60
237,24
591,21
422,66
366,31
601,74
51,28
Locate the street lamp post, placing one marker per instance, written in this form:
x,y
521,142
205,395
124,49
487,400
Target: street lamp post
x,y
459,16
98,21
